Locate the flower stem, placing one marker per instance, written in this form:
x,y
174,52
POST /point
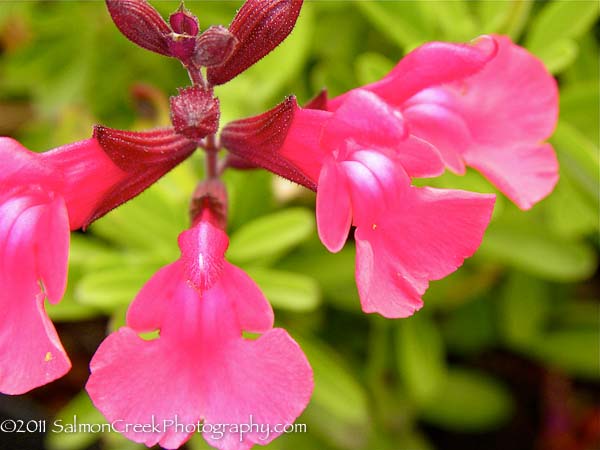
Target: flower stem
x,y
212,150
211,146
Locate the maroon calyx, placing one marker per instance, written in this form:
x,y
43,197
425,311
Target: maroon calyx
x,y
258,139
144,156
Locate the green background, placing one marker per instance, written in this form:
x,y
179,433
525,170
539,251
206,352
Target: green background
x,y
504,349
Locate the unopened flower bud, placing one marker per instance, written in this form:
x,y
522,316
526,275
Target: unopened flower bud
x,y
141,24
184,22
195,113
259,26
214,47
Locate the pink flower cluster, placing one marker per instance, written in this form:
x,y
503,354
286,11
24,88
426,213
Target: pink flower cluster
x,y
489,105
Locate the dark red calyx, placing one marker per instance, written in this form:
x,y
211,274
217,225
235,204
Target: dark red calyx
x,y
237,162
144,156
258,139
195,113
141,24
210,199
259,26
318,102
214,47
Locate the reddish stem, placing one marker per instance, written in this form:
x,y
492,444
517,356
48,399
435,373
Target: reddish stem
x,y
209,143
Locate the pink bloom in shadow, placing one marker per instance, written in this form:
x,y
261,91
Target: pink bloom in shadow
x,y
200,368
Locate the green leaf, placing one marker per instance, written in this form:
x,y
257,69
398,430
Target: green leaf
x,y
148,212
452,16
571,213
111,288
420,357
250,195
336,389
469,401
585,68
68,310
523,310
494,14
518,18
270,235
287,290
401,22
81,409
539,253
559,55
561,19
471,328
371,67
579,158
576,351
579,106
333,271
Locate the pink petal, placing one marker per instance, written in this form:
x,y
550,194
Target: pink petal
x,y
266,381
381,289
89,174
429,65
202,252
134,381
21,166
30,349
426,237
511,107
51,243
514,99
33,231
252,309
375,181
355,119
147,311
525,174
302,144
419,158
334,210
200,368
442,128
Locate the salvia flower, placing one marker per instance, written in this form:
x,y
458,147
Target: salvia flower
x,y
39,204
200,368
492,114
405,236
34,242
42,197
214,357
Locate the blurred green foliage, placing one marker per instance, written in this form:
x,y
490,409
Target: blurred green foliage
x,y
529,291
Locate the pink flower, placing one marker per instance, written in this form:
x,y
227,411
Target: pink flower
x,y
34,242
200,368
494,119
42,197
405,236
38,206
